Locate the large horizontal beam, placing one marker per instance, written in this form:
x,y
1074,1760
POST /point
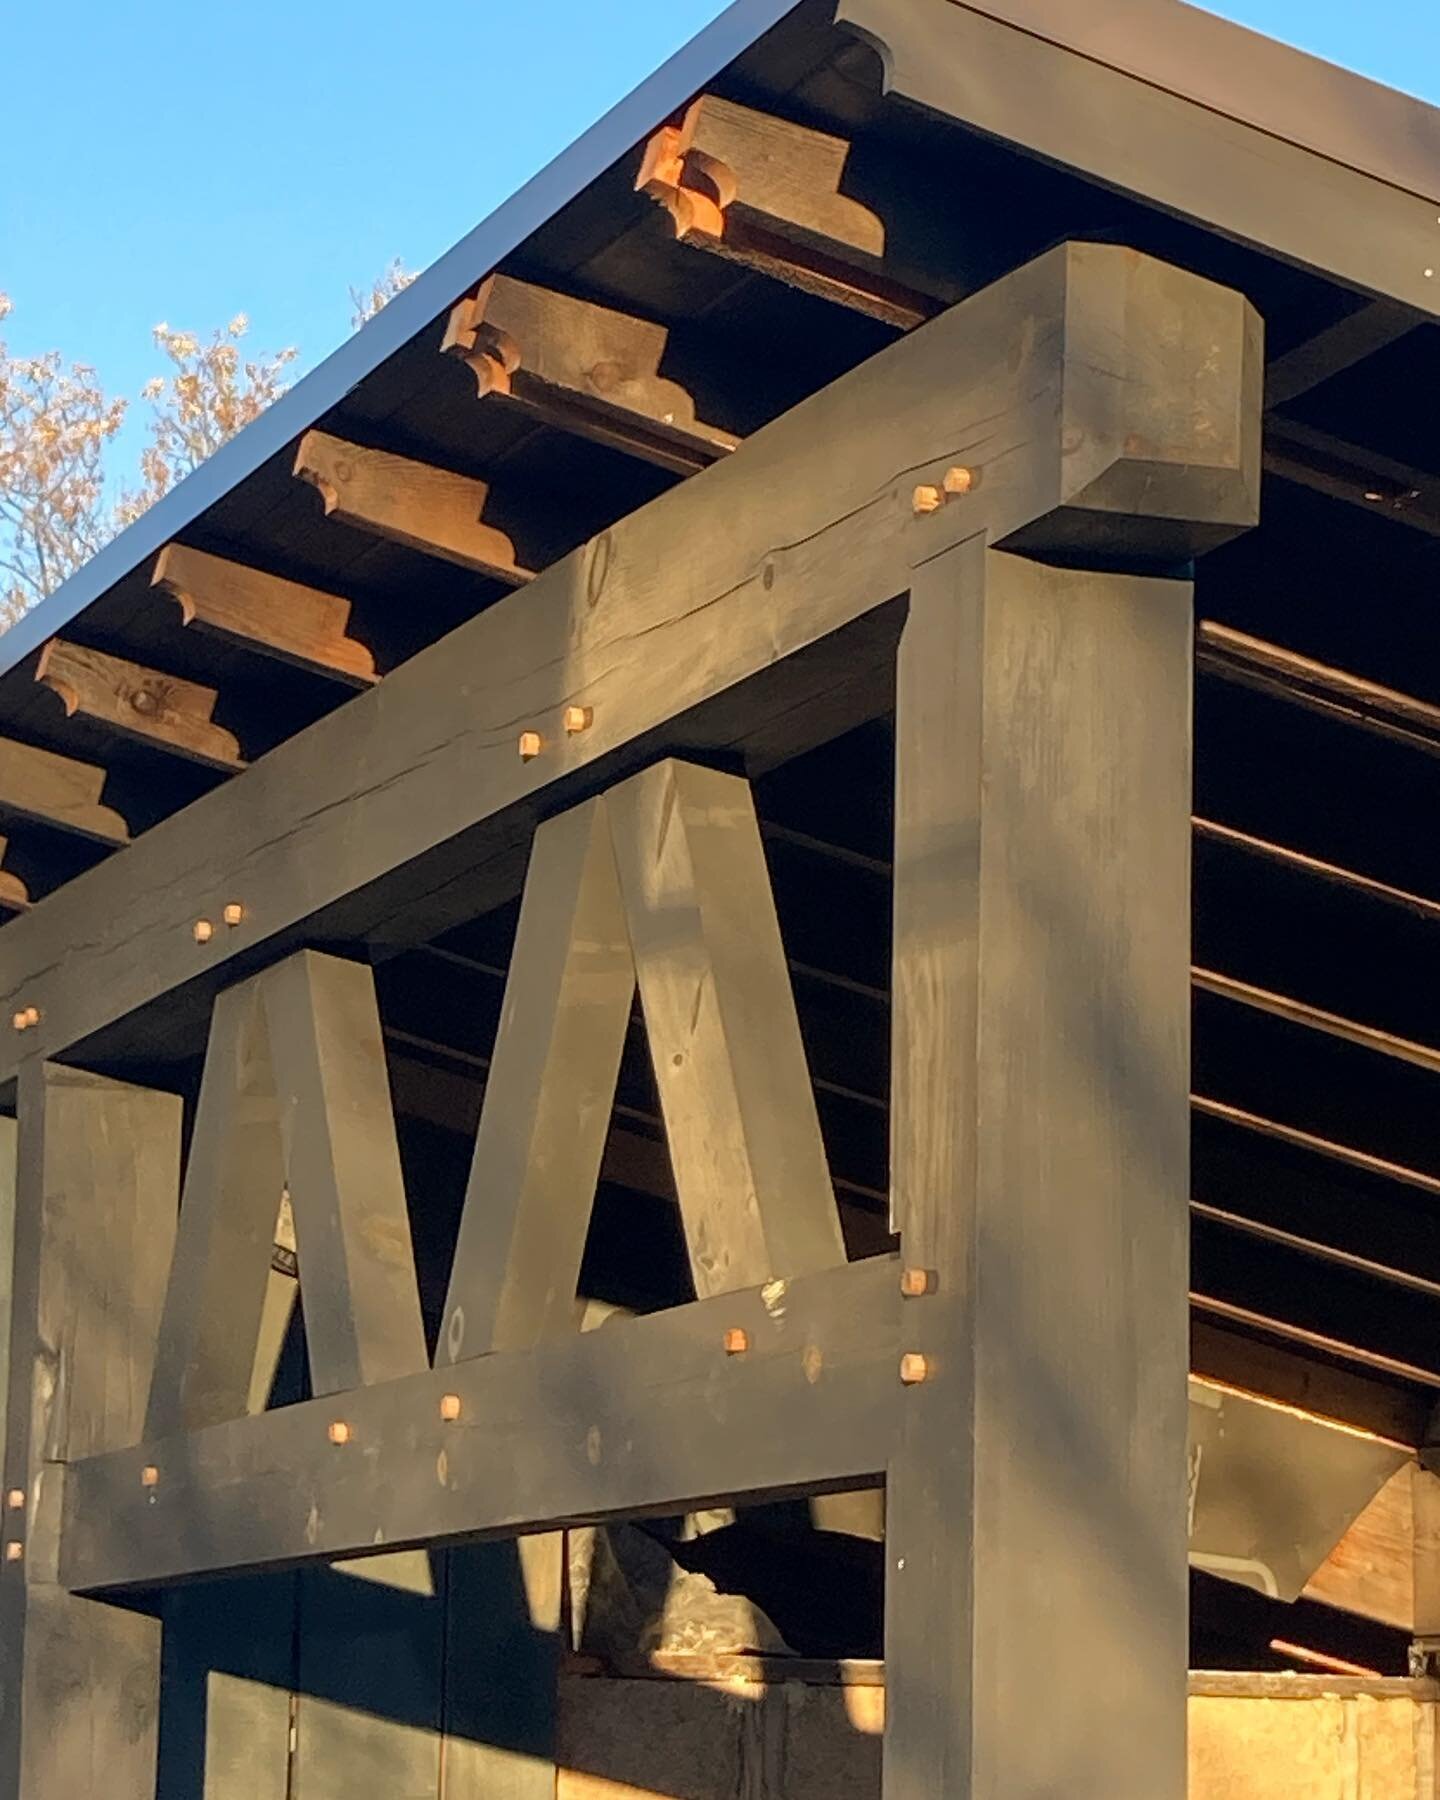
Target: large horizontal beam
x,y
1169,151
641,1415
1095,398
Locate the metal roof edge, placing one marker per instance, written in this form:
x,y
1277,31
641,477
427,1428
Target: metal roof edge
x,y
466,262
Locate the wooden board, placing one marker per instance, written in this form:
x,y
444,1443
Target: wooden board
x,y
138,702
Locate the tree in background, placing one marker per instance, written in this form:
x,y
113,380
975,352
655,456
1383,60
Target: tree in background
x,y
56,422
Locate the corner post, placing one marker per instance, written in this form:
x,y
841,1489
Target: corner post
x,y
97,1191
1036,1586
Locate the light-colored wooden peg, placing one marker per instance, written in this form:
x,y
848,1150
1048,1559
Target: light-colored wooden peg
x,y
530,746
915,1283
234,912
737,1341
914,1368
15,1499
26,1017
339,1432
202,931
926,499
450,1408
19,1021
958,480
14,1552
578,718
149,1476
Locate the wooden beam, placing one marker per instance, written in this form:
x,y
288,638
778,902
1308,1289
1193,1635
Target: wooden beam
x,y
14,895
543,1437
95,1219
411,503
548,1098
584,367
141,703
1040,1152
782,545
1360,334
1360,477
1371,1571
750,1168
57,791
284,619
768,193
1149,141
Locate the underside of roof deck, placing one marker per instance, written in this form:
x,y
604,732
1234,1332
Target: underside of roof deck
x,y
767,239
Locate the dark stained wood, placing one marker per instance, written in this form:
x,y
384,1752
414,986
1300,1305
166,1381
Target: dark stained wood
x,y
725,578
1339,347
284,619
410,502
1145,140
139,702
1040,1156
750,1169
98,1176
544,1436
1360,477
769,193
587,368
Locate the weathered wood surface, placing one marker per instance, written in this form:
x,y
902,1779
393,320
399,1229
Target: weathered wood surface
x,y
646,1414
588,368
141,703
750,1170
1144,140
98,1178
1066,351
279,618
57,790
1040,1146
412,503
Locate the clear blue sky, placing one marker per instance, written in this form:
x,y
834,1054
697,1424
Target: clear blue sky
x,y
263,156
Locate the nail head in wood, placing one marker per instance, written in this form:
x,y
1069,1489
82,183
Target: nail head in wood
x,y
926,499
339,1432
530,745
203,931
915,1283
958,481
914,1368
450,1407
578,718
737,1341
234,912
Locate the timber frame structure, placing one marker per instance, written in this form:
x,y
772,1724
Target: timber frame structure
x,y
757,573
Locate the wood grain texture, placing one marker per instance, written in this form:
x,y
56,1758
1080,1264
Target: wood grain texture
x,y
1172,153
750,1169
141,703
642,1415
1040,1132
279,618
770,567
584,367
548,1098
1371,1570
58,791
98,1179
412,503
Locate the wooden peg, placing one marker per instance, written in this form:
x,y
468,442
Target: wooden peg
x,y
450,1408
202,931
914,1368
339,1432
26,1017
15,1499
578,718
14,1552
234,913
927,498
915,1283
958,481
530,745
149,1476
737,1341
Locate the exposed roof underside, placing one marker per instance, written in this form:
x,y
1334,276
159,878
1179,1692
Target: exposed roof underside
x,y
1317,865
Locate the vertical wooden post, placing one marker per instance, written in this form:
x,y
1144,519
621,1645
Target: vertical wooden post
x,y
1036,1637
96,1198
